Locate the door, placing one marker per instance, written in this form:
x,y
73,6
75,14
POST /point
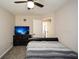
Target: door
x,y
47,29
37,28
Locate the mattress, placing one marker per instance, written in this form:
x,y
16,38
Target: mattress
x,y
49,50
44,44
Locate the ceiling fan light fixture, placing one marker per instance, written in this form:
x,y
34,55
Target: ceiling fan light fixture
x,y
30,4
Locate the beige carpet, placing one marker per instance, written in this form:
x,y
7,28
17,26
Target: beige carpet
x,y
18,52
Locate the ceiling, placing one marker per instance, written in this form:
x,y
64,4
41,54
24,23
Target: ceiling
x,y
21,9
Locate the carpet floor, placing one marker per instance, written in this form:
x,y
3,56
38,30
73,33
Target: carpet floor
x,y
17,52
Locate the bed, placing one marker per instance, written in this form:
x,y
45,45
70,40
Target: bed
x,y
49,50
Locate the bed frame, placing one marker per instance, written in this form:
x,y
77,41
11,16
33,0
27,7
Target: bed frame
x,y
43,39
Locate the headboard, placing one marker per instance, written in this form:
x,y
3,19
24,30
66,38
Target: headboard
x,y
43,39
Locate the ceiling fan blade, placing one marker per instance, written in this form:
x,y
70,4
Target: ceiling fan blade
x,y
38,4
20,1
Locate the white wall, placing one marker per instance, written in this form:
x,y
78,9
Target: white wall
x,y
66,25
50,30
19,21
6,31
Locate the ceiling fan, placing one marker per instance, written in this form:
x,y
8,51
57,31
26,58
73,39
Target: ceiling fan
x,y
30,3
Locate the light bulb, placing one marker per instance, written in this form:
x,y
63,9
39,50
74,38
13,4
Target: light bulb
x,y
30,4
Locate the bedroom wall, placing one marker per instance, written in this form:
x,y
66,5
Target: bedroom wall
x,y
6,31
66,23
19,21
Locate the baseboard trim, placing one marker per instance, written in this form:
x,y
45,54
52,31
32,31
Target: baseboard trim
x,y
6,52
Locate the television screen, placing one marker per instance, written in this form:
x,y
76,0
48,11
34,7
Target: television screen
x,y
21,30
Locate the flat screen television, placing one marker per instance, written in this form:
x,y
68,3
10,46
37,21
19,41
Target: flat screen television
x,y
21,30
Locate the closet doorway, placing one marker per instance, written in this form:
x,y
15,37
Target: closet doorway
x,y
47,28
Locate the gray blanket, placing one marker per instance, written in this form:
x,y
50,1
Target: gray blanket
x,y
51,54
